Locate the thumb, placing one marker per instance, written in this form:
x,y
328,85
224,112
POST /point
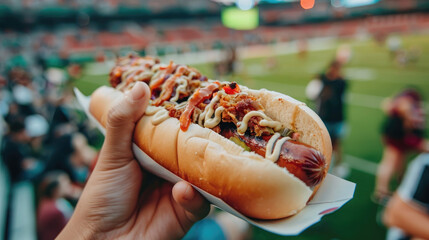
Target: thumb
x,y
121,121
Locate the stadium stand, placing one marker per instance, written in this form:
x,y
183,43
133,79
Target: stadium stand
x,y
193,37
4,191
23,212
21,222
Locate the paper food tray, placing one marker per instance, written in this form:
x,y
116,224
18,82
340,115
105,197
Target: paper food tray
x,y
332,195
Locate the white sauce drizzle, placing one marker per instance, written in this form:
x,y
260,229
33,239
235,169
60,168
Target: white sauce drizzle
x,y
267,122
160,116
277,126
156,67
191,75
181,105
213,122
183,83
273,153
206,115
131,70
142,75
151,110
205,118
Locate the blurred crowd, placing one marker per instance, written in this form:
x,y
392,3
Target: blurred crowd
x,y
46,140
400,189
107,5
88,40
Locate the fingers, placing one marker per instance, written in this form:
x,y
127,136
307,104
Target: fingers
x,y
195,205
121,121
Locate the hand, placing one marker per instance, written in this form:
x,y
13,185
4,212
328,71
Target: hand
x,y
120,199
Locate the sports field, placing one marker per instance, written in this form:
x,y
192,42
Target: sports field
x,y
372,75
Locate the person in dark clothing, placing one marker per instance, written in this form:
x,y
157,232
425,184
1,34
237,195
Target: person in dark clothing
x,y
402,132
15,151
71,154
329,99
59,158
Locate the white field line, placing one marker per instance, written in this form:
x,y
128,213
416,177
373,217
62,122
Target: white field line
x,y
354,99
245,52
361,164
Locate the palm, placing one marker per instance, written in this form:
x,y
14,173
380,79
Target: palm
x,y
134,211
160,215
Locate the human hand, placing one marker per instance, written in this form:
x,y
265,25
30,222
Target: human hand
x,y
120,199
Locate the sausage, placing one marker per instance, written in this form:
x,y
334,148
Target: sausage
x,y
303,161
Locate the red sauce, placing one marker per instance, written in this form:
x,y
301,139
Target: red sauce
x,y
158,82
232,88
198,97
115,76
169,86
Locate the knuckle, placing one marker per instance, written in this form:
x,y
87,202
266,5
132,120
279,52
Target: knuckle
x,y
115,116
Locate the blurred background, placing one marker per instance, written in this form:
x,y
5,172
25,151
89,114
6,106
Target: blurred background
x,y
47,47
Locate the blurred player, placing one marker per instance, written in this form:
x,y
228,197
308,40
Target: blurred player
x,y
328,92
407,213
403,132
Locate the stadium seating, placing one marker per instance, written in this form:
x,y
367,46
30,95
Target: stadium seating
x,y
4,192
23,212
22,221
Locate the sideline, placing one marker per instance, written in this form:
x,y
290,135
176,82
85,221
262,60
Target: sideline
x,y
361,164
354,99
244,52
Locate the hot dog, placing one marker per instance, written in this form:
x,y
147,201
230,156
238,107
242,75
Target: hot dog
x,y
262,152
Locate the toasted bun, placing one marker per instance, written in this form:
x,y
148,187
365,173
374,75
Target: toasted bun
x,y
249,183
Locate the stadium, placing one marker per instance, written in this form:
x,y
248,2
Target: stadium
x,y
50,47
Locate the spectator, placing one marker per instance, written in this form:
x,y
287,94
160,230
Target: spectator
x,y
71,154
16,155
54,210
403,132
407,213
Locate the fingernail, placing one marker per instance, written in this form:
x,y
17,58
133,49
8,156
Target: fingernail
x,y
189,193
137,92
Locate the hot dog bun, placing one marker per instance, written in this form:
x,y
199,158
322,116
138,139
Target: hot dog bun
x,y
249,183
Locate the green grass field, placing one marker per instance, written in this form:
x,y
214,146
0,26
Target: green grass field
x,y
372,76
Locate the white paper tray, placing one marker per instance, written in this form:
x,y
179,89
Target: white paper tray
x,y
332,195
